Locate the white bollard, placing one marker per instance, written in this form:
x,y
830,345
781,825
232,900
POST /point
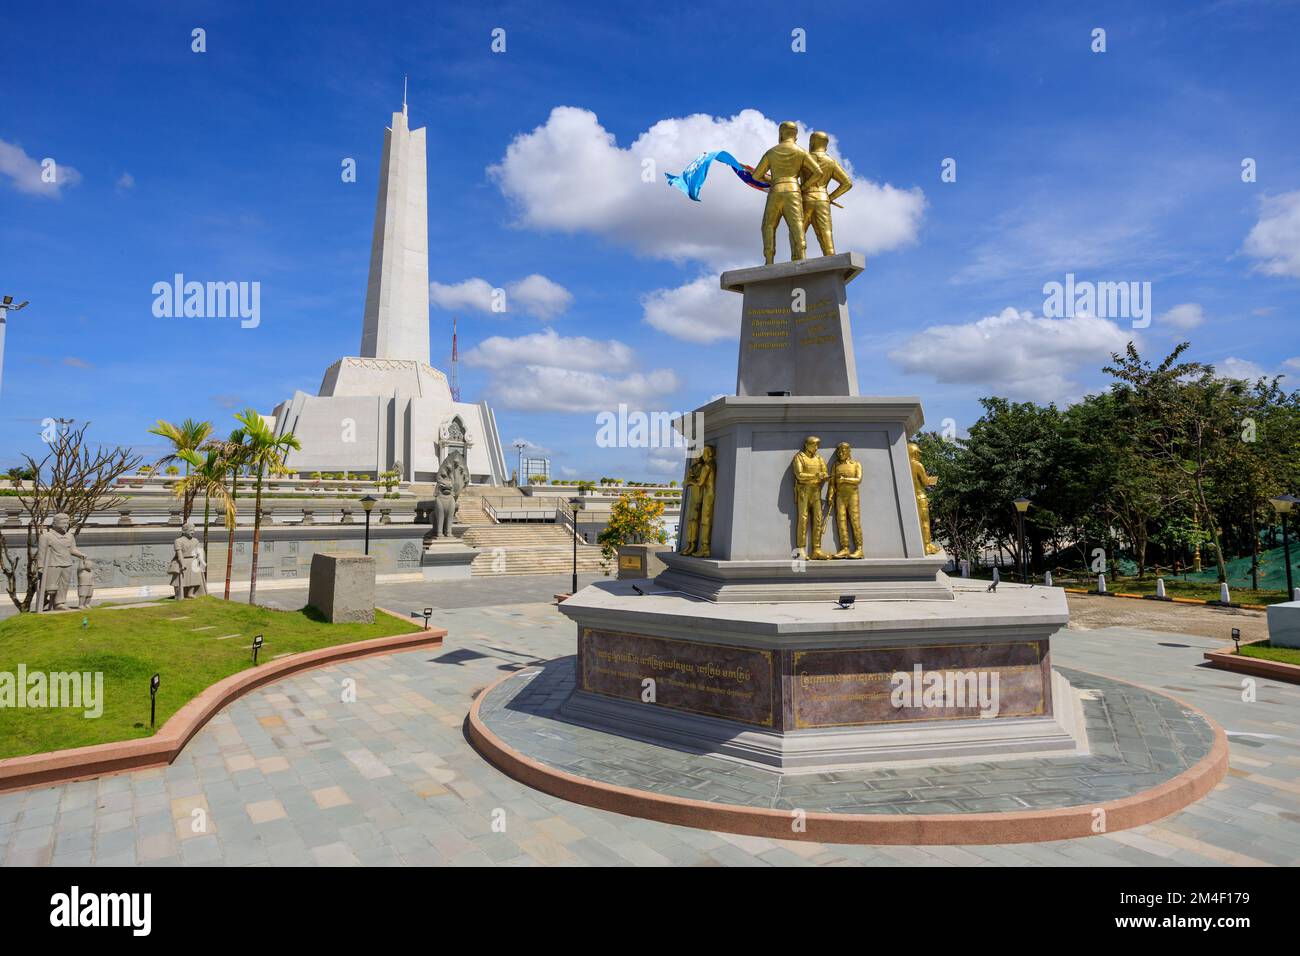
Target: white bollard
x,y
1101,584
1160,588
996,577
1047,579
1224,598
1296,595
965,568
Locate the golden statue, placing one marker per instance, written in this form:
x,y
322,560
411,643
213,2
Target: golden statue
x,y
846,476
920,481
700,479
782,166
816,203
809,476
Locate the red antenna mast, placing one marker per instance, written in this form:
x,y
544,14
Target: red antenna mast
x,y
455,364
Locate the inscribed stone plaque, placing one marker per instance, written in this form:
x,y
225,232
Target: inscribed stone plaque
x,y
716,680
837,688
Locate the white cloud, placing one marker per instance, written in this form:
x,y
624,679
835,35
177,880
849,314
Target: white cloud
x,y
1293,363
1014,354
1189,315
699,311
549,348
534,295
546,371
124,182
26,173
539,296
570,175
1275,238
1240,368
471,294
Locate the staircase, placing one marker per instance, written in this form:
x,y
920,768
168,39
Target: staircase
x,y
519,547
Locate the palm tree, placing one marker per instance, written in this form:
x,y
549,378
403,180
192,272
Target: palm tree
x,y
266,451
209,480
234,455
187,436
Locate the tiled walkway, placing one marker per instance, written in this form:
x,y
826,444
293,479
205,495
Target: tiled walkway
x,y
295,774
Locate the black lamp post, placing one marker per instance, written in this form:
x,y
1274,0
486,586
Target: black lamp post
x,y
368,505
1022,505
1283,504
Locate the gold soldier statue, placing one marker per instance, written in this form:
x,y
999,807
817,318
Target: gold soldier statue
x,y
816,204
782,166
700,480
846,476
920,481
809,476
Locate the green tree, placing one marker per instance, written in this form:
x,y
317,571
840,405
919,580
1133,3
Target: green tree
x,y
634,519
264,450
207,477
187,436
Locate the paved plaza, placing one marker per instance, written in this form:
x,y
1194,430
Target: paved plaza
x,y
293,774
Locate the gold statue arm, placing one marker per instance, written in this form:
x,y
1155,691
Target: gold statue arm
x,y
838,174
763,171
812,170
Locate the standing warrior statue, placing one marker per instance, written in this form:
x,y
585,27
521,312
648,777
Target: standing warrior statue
x,y
189,565
922,480
782,165
55,551
700,480
809,476
816,203
846,476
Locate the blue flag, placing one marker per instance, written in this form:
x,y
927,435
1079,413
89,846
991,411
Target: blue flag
x,y
691,179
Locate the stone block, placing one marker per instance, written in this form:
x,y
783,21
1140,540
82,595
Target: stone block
x,y
343,586
1284,624
640,560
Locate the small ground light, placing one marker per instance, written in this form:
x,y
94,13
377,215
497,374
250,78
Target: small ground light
x,y
1236,638
846,601
428,613
85,623
153,696
257,646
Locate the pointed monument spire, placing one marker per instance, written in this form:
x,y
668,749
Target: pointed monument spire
x,y
396,322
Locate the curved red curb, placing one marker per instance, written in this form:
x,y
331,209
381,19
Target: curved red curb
x,y
1020,826
80,763
1227,659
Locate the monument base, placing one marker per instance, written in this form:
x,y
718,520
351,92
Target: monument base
x,y
802,686
797,580
447,559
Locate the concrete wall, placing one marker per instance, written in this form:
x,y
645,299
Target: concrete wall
x,y
127,558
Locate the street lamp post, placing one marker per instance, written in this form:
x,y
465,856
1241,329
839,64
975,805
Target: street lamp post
x,y
573,504
1022,505
368,505
519,472
6,306
1283,504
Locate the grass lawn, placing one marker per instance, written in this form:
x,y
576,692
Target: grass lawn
x,y
130,645
1175,588
1284,655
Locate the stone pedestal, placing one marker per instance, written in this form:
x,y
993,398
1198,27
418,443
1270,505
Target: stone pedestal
x,y
1284,624
753,544
814,687
342,587
447,559
795,337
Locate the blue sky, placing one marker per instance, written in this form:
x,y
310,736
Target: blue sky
x,y
225,165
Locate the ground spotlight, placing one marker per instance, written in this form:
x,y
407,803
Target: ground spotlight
x,y
846,601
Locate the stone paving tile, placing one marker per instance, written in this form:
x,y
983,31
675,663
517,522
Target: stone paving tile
x,y
415,793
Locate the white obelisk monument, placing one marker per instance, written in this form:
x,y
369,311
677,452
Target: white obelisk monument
x,y
397,297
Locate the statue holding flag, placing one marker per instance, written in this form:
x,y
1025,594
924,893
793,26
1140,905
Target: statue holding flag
x,y
783,165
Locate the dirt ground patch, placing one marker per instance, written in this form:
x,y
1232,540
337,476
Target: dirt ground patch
x,y
1089,613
